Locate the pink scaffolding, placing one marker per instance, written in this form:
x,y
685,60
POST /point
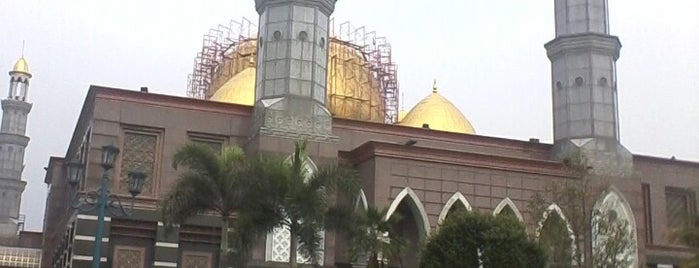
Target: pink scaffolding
x,y
222,40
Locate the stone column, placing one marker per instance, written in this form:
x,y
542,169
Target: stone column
x,y
291,70
585,112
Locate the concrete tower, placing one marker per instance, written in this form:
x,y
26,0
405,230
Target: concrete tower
x,y
291,70
13,141
583,63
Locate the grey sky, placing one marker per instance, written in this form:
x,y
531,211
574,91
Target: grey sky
x,y
487,56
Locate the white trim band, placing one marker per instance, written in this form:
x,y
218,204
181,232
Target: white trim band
x,y
92,217
167,245
164,264
87,258
90,238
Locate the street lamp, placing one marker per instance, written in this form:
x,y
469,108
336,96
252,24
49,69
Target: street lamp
x,y
101,199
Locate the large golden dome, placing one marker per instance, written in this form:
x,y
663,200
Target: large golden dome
x,y
351,90
21,66
438,113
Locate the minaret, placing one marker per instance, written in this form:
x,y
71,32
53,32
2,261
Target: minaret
x,y
291,71
13,141
583,64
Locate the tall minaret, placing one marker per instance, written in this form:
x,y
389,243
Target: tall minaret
x,y
13,141
583,64
291,71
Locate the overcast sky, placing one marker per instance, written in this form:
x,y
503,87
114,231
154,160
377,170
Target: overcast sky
x,y
487,56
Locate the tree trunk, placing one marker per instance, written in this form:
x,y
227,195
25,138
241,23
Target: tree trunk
x,y
223,254
373,261
293,245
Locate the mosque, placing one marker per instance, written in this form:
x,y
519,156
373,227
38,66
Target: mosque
x,y
299,75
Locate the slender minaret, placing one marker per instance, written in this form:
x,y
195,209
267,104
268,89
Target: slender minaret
x,y
13,141
291,70
583,64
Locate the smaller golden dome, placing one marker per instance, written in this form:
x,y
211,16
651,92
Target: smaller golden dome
x,y
239,89
21,66
438,113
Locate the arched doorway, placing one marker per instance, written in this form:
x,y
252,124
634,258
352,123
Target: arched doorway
x,y
556,237
413,226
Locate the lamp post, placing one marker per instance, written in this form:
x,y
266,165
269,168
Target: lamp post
x,y
101,199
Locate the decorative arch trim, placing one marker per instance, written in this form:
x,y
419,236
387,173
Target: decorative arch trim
x,y
457,197
554,208
418,210
308,164
507,202
361,201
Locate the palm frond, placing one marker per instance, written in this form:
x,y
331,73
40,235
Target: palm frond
x,y
191,194
310,241
196,156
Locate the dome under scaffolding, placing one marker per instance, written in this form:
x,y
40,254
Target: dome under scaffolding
x,y
361,80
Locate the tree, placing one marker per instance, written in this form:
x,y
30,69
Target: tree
x,y
688,235
587,237
210,182
471,239
298,199
370,236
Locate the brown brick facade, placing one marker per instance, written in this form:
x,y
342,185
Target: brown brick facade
x,y
484,172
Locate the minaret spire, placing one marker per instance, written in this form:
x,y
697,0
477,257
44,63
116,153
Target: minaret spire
x,y
585,113
13,142
292,70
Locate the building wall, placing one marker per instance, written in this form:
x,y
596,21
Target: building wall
x,y
484,170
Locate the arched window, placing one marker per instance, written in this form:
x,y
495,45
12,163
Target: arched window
x,y
278,241
614,226
456,202
556,237
507,208
413,225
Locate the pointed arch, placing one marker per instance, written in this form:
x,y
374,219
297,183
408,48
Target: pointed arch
x,y
277,244
418,210
507,202
613,199
308,164
361,201
457,197
555,209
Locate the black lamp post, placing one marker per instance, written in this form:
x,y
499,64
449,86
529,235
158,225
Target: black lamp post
x,y
101,199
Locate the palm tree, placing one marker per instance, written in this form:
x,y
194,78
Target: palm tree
x,y
299,199
371,237
210,182
688,234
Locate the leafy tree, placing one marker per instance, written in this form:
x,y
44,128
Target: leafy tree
x,y
210,182
614,243
295,199
469,239
369,235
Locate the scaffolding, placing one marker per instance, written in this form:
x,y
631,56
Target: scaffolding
x,y
362,77
376,64
217,46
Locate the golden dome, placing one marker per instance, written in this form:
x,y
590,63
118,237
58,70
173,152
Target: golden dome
x,y
401,114
437,113
351,91
238,89
21,66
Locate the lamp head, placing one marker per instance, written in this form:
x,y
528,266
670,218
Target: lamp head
x,y
136,180
75,171
109,154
